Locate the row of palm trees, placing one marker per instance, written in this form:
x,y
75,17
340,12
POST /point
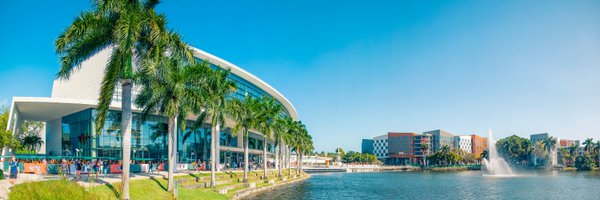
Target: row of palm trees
x,y
172,83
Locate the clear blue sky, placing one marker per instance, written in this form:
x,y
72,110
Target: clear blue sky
x,y
360,69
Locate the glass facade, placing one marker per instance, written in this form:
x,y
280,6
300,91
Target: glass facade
x,y
149,137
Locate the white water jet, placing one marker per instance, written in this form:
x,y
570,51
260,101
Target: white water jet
x,y
495,166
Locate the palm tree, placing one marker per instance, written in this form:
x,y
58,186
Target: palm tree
x,y
243,112
588,145
539,152
172,90
268,112
32,142
549,146
301,143
484,154
565,156
129,29
425,150
445,151
215,107
282,129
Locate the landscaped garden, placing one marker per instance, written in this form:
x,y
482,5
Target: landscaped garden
x,y
191,186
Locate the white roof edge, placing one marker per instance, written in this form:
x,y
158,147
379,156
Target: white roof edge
x,y
90,102
249,77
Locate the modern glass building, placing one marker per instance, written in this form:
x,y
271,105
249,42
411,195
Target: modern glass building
x,y
367,146
70,112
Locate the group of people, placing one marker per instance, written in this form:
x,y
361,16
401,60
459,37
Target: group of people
x,y
77,166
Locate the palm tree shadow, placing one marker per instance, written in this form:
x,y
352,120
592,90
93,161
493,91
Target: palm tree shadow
x,y
159,184
114,190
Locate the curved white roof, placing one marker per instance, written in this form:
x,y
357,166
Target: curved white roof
x,y
249,77
85,82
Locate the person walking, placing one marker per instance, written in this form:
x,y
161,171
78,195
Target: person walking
x,y
96,167
106,167
150,165
78,167
14,170
64,168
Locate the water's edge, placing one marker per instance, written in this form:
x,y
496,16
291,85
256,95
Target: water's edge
x,y
256,191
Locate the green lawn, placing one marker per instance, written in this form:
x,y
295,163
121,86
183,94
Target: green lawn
x,y
140,189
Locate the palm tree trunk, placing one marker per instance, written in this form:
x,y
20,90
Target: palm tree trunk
x,y
289,160
277,158
126,132
172,134
300,164
298,160
265,157
280,161
214,154
245,138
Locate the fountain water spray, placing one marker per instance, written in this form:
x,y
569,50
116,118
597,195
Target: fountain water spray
x,y
495,166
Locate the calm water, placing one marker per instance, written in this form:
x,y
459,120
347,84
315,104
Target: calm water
x,y
447,185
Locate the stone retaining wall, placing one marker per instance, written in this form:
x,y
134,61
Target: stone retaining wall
x,y
254,191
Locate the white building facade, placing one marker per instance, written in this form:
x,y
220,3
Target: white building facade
x,y
380,146
463,142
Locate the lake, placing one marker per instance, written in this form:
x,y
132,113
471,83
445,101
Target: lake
x,y
441,185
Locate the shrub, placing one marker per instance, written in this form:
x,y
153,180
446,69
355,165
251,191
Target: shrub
x,y
584,163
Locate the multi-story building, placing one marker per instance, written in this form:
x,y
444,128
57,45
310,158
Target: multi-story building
x,y
440,138
400,148
70,111
380,147
422,147
478,145
463,142
367,146
564,143
540,137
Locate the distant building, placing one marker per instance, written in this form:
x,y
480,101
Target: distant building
x,y
380,147
400,148
478,145
540,137
564,143
367,146
440,138
420,152
463,142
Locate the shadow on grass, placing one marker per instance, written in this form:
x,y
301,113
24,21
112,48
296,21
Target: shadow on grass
x,y
114,190
159,184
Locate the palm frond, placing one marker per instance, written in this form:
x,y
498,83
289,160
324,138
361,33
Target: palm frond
x,y
109,82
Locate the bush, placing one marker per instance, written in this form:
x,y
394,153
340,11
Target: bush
x,y
584,162
1,174
56,189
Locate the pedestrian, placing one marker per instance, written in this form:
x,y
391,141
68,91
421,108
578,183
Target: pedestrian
x,y
150,166
106,167
14,170
64,168
96,167
78,167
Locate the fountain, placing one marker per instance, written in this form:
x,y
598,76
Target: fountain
x,y
495,166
